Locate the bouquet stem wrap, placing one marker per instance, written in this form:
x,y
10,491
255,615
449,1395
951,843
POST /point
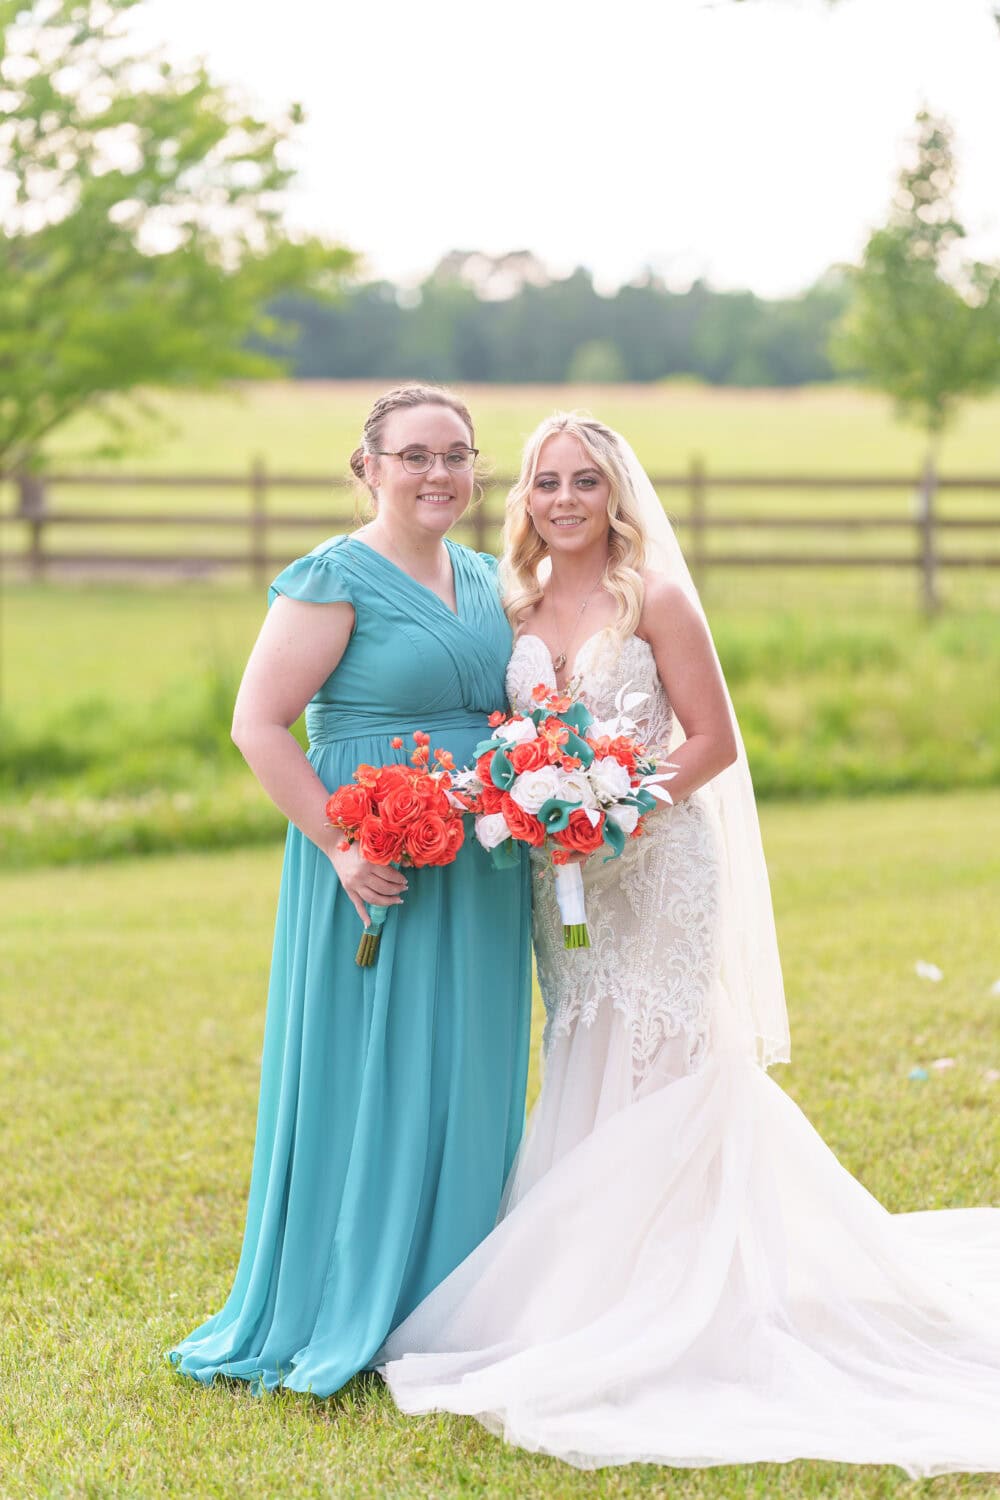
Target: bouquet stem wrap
x,y
368,946
569,894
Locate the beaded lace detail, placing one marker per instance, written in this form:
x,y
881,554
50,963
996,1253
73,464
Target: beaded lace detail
x,y
652,913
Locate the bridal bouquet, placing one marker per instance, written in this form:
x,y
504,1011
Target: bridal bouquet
x,y
559,779
400,815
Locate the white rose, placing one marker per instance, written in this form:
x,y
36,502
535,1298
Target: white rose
x,y
577,788
609,779
532,788
517,732
491,829
626,817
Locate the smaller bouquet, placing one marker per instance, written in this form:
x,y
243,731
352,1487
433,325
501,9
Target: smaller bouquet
x,y
402,815
559,779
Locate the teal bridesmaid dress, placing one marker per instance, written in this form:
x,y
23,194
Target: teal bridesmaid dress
x,y
391,1098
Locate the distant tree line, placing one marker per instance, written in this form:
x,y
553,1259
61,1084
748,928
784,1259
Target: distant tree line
x,y
484,318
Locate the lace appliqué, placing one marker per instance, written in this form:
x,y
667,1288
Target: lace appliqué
x,y
652,913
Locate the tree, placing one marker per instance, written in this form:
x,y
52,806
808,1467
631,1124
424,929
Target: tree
x,y
923,324
596,362
140,209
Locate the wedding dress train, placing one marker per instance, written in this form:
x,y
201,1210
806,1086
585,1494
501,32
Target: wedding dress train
x,y
683,1273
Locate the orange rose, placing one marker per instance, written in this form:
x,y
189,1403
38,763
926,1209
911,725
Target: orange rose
x,y
349,805
492,796
379,845
531,756
491,799
432,798
390,778
483,768
523,825
431,841
456,837
401,806
580,836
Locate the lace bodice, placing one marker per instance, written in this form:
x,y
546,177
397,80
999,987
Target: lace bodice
x,y
600,669
652,912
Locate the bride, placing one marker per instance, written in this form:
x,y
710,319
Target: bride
x,y
682,1272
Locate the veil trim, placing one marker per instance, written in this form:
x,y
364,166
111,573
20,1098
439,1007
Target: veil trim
x,y
750,968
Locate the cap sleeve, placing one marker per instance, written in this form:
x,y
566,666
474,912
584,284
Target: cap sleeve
x,y
317,578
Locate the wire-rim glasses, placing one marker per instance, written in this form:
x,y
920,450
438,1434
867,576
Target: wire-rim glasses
x,y
457,460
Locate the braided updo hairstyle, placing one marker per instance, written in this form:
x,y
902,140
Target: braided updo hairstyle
x,y
400,398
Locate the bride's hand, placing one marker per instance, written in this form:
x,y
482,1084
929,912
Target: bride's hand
x,y
380,885
576,858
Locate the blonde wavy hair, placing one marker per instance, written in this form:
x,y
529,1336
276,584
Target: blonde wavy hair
x,y
524,550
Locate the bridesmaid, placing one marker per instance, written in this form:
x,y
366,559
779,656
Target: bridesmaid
x,y
391,1100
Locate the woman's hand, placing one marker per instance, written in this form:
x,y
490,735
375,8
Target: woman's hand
x,y
380,885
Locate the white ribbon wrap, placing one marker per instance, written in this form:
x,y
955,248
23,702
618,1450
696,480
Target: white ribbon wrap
x,y
569,894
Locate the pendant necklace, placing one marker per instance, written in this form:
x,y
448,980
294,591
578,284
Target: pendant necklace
x,y
560,661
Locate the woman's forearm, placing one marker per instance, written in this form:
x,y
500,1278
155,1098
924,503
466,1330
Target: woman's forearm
x,y
280,765
698,760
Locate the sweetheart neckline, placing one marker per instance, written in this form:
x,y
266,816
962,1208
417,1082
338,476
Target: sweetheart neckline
x,y
529,635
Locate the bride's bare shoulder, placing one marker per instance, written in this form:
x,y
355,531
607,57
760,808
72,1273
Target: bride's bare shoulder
x,y
668,613
662,595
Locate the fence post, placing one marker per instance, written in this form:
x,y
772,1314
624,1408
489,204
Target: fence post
x,y
32,504
258,522
928,538
696,493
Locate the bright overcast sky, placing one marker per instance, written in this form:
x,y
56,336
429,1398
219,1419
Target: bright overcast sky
x,y
753,144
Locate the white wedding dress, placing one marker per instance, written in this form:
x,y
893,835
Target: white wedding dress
x,y
683,1273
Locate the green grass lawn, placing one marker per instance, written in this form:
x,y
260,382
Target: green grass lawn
x,y
116,705
131,1032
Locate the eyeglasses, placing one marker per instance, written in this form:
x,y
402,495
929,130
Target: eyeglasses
x,y
419,460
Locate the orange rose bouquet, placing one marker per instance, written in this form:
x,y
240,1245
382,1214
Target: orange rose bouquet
x,y
560,780
400,814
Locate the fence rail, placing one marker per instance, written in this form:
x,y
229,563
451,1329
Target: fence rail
x,y
34,513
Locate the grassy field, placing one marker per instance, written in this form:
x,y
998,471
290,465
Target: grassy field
x,y
115,700
131,1032
117,704
312,427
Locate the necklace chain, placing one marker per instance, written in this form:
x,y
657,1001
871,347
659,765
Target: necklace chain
x,y
559,661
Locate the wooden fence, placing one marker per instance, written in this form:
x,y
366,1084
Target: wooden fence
x,y
35,513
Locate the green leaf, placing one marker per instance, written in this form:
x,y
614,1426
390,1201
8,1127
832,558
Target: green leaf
x,y
142,238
